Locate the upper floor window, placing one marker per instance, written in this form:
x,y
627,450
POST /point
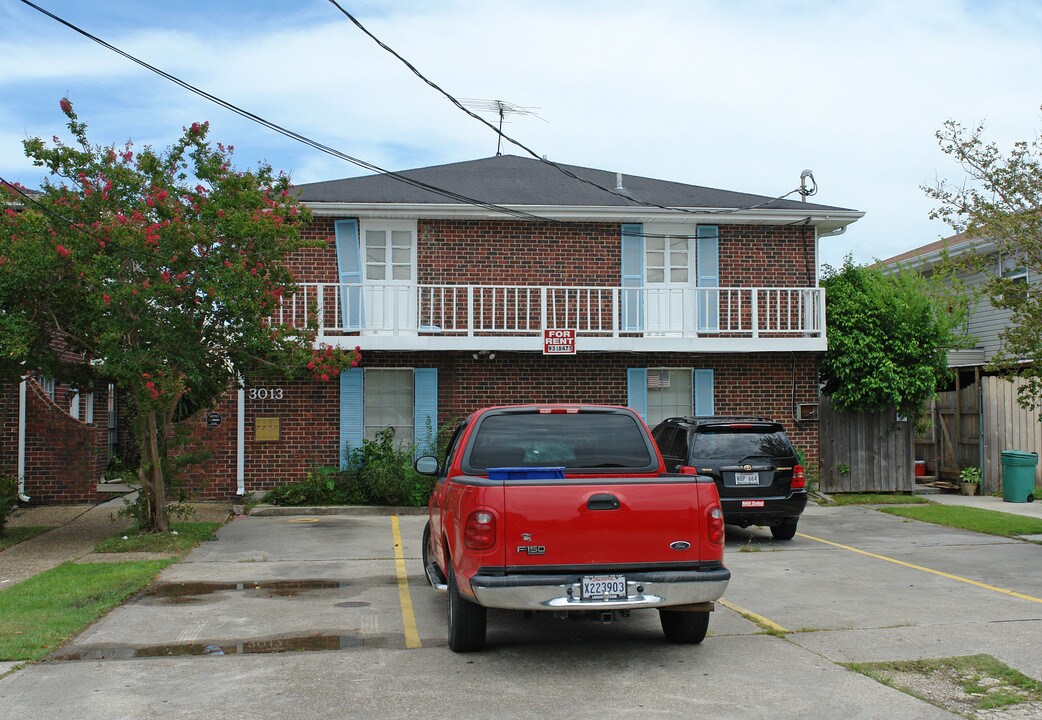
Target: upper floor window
x,y
389,250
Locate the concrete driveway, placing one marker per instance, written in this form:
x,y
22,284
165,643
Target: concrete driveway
x,y
329,616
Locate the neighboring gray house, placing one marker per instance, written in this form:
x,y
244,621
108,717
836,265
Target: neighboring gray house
x,y
979,418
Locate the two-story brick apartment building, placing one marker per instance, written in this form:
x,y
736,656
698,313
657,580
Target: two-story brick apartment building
x,y
673,299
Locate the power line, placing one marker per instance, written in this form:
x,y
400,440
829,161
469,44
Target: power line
x,y
524,147
293,135
519,214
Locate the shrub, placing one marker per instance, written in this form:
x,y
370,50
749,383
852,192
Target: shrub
x,y
8,498
378,473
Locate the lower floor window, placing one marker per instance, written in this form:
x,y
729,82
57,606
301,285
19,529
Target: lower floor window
x,y
670,394
389,403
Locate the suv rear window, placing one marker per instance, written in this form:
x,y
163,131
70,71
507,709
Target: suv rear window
x,y
728,442
570,440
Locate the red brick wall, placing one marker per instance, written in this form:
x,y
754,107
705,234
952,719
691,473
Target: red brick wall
x,y
309,413
309,436
64,457
489,252
766,256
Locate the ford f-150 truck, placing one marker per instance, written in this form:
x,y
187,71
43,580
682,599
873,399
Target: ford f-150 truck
x,y
569,509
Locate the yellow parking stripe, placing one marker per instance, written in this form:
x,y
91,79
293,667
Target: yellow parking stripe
x,y
902,563
758,619
412,636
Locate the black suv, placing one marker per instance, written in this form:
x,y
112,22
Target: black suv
x,y
754,465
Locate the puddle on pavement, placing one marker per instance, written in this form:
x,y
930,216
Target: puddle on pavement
x,y
248,647
191,591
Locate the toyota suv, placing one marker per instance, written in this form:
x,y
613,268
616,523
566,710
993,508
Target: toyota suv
x,y
752,462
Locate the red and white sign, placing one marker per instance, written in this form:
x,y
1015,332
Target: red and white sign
x,y
752,503
558,342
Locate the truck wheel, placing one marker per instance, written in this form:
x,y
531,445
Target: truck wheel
x,y
684,627
466,620
785,530
427,552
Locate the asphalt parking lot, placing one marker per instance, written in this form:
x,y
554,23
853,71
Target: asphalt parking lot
x,y
330,616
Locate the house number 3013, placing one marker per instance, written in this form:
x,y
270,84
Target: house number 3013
x,y
265,394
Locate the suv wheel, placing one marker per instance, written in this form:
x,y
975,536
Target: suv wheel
x,y
785,530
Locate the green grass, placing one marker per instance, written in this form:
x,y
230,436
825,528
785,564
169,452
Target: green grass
x,y
985,682
188,535
877,499
990,522
40,614
15,535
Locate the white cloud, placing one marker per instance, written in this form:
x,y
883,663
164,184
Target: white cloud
x,y
741,96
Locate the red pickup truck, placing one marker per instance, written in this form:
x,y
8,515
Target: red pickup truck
x,y
569,509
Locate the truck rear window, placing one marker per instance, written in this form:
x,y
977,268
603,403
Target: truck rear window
x,y
572,441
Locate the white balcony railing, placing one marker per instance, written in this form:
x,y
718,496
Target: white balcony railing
x,y
793,315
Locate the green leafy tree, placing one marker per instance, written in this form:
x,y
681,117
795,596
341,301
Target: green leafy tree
x,y
889,336
157,271
1000,201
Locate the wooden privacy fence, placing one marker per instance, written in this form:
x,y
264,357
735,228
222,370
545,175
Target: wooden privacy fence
x,y
1007,426
865,452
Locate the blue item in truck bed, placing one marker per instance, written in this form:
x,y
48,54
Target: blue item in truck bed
x,y
526,473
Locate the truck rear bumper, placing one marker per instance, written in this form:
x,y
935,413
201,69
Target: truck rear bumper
x,y
564,592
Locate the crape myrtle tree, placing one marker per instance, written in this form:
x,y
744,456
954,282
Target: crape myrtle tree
x,y
999,200
889,337
157,271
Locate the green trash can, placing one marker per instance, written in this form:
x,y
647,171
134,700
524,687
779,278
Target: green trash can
x,y
1018,475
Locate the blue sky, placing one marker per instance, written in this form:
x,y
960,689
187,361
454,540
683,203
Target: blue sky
x,y
737,95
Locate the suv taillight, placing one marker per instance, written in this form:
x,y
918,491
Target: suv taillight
x,y
799,479
715,524
480,530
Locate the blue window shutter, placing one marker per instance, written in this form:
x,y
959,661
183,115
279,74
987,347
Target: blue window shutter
x,y
632,278
349,266
425,397
637,390
351,413
704,392
707,261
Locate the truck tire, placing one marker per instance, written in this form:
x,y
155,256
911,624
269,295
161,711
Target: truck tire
x,y
682,627
785,530
467,620
427,552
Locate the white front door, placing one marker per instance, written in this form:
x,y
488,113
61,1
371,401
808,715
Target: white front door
x,y
668,272
389,252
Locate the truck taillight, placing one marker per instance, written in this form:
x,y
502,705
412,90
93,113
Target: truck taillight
x,y
480,530
715,523
799,478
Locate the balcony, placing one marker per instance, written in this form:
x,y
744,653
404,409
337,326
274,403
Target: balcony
x,y
605,319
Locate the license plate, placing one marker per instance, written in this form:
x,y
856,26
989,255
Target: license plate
x,y
607,587
752,503
747,478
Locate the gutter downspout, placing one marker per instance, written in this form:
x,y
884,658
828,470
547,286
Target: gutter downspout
x,y
21,442
240,445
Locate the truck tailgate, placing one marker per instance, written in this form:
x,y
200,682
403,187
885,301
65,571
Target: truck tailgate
x,y
598,521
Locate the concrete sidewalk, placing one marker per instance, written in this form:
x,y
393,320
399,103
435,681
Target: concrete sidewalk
x,y
77,530
989,502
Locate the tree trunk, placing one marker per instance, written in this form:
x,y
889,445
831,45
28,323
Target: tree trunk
x,y
160,520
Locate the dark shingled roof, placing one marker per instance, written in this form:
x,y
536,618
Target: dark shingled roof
x,y
513,180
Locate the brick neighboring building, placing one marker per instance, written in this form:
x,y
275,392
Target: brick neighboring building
x,y
683,300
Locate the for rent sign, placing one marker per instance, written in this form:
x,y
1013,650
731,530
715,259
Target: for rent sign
x,y
558,342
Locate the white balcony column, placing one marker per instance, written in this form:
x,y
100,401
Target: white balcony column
x,y
755,313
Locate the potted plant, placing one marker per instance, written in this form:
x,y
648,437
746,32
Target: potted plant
x,y
969,478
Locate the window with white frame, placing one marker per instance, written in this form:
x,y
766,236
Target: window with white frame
x,y
389,251
47,385
670,394
389,403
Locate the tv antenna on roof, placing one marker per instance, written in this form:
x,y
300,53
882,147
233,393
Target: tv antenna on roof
x,y
501,108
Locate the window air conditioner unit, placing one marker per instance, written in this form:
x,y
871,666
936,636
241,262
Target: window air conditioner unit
x,y
806,411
